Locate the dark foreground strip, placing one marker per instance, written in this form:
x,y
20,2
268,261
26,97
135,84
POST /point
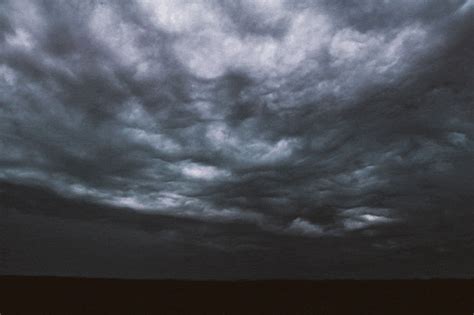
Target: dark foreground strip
x,y
50,295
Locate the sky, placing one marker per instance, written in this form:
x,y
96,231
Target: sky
x,y
237,139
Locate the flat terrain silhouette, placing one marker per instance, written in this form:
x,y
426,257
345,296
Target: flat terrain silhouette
x,y
58,295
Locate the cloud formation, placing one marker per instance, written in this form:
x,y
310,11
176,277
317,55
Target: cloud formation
x,y
311,119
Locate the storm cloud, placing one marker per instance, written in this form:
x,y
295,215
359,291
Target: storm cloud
x,y
306,129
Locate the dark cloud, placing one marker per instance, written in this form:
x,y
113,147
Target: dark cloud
x,y
244,130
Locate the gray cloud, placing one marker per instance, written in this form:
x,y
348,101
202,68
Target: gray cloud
x,y
302,122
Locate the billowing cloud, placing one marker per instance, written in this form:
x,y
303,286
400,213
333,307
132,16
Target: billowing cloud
x,y
311,120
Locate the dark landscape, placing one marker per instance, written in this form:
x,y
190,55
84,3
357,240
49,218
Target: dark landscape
x,y
56,295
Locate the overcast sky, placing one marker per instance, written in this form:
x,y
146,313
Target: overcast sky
x,y
237,139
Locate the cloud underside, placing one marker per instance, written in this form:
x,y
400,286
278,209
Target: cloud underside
x,y
310,119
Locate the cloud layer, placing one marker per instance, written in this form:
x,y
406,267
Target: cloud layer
x,y
306,120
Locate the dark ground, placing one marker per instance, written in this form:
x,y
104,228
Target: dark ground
x,y
49,295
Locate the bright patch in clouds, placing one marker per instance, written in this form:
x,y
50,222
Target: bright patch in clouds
x,y
205,172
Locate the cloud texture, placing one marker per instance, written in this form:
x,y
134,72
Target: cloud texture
x,y
269,124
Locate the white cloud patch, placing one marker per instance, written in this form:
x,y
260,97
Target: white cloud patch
x,y
362,217
301,226
205,172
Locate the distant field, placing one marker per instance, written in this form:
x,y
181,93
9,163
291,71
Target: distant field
x,y
48,295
